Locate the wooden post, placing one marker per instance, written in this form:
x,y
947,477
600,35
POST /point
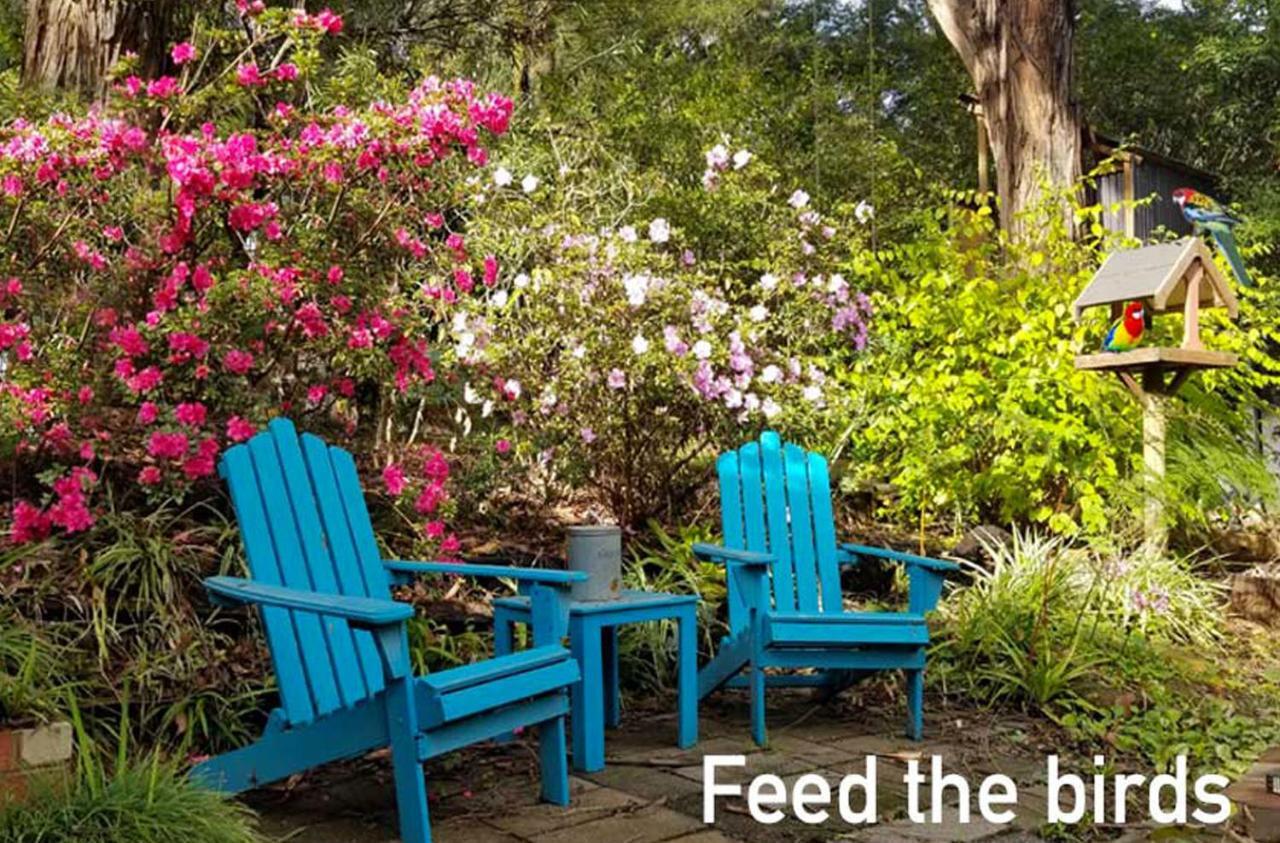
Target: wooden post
x,y
1191,309
1129,190
1153,440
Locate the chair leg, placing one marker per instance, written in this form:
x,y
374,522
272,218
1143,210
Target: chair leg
x,y
915,704
554,759
588,696
411,787
612,689
755,680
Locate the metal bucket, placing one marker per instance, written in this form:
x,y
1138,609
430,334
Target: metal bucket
x,y
597,551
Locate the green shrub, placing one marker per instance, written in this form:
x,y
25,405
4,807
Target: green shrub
x,y
145,802
1050,624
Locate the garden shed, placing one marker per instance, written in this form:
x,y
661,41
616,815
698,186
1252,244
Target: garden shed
x,y
1138,173
1141,173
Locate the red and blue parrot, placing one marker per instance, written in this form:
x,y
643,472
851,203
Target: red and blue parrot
x,y
1126,332
1207,215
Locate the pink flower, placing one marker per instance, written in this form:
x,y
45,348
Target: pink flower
x,y
617,379
170,446
588,435
85,394
237,362
29,524
163,88
316,393
393,478
149,476
182,53
147,412
502,446
287,72
450,545
248,75
238,430
191,414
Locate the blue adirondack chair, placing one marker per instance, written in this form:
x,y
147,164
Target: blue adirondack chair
x,y
339,645
783,573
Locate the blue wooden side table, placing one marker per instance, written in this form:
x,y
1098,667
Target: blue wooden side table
x,y
593,636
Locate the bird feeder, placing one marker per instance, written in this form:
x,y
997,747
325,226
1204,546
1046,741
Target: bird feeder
x,y
1167,278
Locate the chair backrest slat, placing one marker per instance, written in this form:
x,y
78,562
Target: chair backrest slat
x,y
775,495
293,567
305,525
729,472
318,561
824,534
342,550
282,637
798,523
803,557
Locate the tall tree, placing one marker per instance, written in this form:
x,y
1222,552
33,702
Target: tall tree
x,y
1019,54
72,44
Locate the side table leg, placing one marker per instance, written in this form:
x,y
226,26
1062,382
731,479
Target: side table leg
x,y
687,734
613,700
588,696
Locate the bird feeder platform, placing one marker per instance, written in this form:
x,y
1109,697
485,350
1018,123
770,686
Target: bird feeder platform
x,y
1155,370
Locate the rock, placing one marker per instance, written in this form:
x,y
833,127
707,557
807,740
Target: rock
x,y
1255,594
976,544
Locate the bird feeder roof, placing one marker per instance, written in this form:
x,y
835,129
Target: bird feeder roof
x,y
1158,274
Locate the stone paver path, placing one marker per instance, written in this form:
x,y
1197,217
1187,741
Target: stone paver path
x,y
651,792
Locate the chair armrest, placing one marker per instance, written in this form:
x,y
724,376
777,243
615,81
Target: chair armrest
x,y
851,552
531,575
363,612
729,556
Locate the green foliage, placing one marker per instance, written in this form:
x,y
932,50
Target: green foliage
x,y
30,685
120,801
1123,648
664,561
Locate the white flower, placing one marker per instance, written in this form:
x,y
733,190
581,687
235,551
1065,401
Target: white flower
x,y
627,233
733,399
486,409
813,393
659,230
459,322
865,211
759,313
771,374
751,402
639,345
470,395
502,177
579,352
702,349
741,158
521,281
836,283
466,341
512,389
500,298
717,157
768,281
798,199
637,287
529,183
770,408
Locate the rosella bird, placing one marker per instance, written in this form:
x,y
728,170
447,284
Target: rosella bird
x,y
1126,332
1207,215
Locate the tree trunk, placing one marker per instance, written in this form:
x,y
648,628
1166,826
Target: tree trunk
x,y
73,44
1019,55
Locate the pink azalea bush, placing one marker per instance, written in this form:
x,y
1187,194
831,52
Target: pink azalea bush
x,y
210,249
629,356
